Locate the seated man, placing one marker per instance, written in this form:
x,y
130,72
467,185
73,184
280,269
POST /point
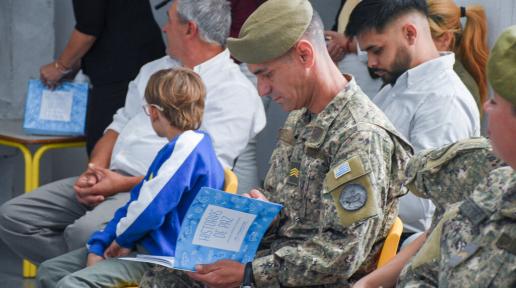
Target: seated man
x,y
152,217
337,167
474,244
60,217
423,97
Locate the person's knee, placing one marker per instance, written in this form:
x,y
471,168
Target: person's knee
x,y
71,281
7,220
48,274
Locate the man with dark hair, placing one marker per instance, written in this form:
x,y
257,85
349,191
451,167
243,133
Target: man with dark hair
x,y
422,96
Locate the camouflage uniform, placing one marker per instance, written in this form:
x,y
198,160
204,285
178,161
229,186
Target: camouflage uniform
x,y
349,153
474,244
448,174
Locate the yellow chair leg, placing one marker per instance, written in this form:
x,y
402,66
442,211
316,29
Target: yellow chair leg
x,y
29,269
32,179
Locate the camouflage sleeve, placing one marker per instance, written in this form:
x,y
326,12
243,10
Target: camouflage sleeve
x,y
354,206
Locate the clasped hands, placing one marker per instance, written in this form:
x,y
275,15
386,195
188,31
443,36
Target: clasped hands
x,y
97,183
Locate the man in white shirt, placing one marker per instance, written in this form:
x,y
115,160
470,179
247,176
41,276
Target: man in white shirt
x,y
60,217
422,96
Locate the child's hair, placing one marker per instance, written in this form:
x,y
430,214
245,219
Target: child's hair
x,y
470,43
180,92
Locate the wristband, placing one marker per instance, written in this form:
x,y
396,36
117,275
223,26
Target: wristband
x,y
248,276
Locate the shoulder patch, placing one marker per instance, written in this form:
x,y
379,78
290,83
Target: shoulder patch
x,y
344,172
353,197
341,170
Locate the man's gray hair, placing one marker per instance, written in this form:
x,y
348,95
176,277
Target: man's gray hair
x,y
213,18
315,31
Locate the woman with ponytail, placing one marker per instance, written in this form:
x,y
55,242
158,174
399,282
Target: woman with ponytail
x,y
469,42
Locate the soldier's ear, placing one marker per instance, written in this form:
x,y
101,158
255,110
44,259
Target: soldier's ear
x,y
304,52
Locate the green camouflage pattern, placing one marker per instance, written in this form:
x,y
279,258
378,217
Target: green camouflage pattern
x,y
308,245
448,174
477,245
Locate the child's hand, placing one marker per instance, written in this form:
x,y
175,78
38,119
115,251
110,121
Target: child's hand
x,y
114,250
93,259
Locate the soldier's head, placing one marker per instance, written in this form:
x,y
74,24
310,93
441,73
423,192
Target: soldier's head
x,y
283,42
195,28
395,34
501,108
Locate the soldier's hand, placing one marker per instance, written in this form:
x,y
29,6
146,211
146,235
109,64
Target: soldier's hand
x,y
223,273
255,194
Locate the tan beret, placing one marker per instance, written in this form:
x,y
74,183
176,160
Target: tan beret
x,y
271,30
501,66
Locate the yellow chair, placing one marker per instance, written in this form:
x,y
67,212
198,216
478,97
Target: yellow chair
x,y
230,181
390,246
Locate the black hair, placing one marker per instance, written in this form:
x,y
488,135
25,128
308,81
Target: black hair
x,y
376,14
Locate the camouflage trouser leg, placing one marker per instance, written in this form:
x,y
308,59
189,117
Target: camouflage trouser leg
x,y
161,277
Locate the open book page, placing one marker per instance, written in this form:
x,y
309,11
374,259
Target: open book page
x,y
217,226
166,261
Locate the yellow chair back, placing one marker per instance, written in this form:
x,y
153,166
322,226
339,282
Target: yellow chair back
x,y
390,246
230,181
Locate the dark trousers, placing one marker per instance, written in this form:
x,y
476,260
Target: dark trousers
x,y
104,100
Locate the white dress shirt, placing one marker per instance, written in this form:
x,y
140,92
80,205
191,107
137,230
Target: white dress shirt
x,y
431,107
233,115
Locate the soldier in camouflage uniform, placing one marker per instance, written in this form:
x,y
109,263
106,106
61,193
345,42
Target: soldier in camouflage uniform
x,y
337,168
448,174
474,244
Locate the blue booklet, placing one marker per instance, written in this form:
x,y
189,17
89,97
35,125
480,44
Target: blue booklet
x,y
61,111
218,225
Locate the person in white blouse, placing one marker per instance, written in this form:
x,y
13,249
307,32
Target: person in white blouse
x,y
60,216
422,96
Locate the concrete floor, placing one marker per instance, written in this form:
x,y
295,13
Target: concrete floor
x,y
11,270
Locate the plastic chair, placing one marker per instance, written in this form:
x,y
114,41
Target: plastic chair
x,y
230,186
230,181
390,246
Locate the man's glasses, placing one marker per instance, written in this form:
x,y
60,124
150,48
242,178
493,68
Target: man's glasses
x,y
146,108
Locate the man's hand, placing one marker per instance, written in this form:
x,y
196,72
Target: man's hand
x,y
255,194
115,250
337,44
107,183
223,273
50,75
82,188
93,259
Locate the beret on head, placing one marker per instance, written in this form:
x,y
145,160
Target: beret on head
x,y
501,66
271,30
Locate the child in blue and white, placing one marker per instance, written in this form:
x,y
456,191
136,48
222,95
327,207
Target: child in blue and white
x,y
151,220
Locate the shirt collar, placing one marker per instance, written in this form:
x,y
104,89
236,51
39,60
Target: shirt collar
x,y
215,62
322,121
420,73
